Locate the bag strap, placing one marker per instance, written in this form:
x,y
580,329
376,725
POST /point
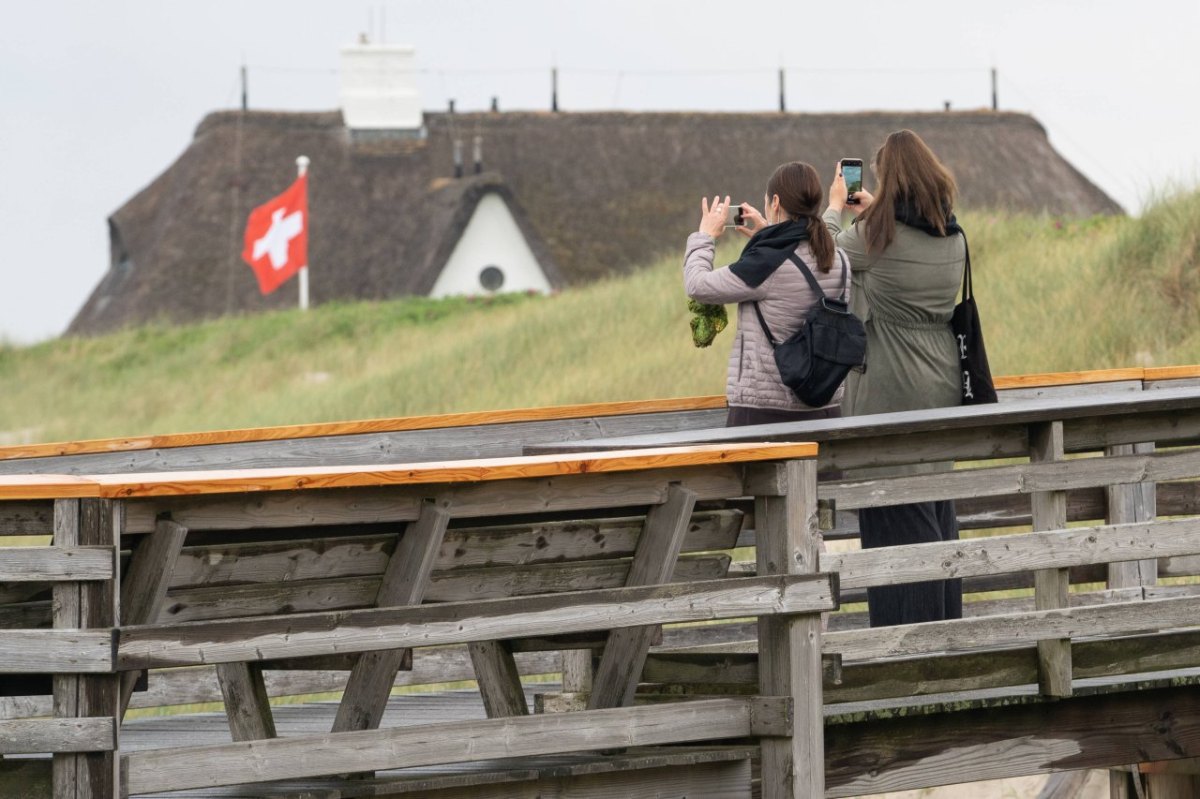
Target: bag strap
x,y
763,322
968,289
808,275
813,284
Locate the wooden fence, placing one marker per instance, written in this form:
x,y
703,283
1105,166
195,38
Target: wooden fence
x,y
509,583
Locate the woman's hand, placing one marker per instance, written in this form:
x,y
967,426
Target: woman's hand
x,y
712,217
862,201
837,190
754,221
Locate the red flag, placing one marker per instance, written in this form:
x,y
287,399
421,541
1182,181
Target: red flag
x,y
277,237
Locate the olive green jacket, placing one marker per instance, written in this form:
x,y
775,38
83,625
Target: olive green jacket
x,y
905,296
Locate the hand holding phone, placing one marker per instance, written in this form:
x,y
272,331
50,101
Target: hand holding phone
x,y
852,175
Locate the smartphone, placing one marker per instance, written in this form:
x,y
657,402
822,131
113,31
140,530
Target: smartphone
x,y
852,174
736,215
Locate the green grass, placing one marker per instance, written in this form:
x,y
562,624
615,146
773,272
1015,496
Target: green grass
x,y
1054,294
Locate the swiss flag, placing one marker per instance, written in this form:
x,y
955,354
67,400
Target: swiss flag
x,y
277,237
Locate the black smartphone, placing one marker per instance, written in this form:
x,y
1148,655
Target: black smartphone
x,y
737,216
852,174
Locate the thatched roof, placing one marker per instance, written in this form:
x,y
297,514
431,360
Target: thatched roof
x,y
596,193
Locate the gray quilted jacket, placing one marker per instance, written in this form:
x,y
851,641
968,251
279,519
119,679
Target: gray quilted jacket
x,y
784,298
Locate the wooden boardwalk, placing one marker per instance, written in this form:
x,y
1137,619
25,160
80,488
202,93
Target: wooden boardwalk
x,y
607,548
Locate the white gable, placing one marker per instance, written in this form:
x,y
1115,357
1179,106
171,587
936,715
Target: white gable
x,y
491,241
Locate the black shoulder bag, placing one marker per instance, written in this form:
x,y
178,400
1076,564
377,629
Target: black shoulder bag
x,y
816,359
977,386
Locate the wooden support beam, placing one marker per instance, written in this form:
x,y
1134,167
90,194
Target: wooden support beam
x,y
404,583
577,673
246,704
788,542
658,548
498,679
33,736
144,589
1050,586
55,564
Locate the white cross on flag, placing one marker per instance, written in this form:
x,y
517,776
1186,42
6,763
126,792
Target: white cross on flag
x,y
276,244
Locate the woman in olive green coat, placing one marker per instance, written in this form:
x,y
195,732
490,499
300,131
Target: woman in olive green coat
x,y
906,271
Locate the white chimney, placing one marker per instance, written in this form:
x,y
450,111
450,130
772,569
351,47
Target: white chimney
x,y
379,87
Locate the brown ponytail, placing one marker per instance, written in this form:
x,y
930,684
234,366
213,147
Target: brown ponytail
x,y
800,196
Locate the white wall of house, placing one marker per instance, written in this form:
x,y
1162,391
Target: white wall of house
x,y
492,238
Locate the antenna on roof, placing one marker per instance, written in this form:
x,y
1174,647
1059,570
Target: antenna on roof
x,y
245,86
478,153
495,104
995,100
782,93
458,161
554,89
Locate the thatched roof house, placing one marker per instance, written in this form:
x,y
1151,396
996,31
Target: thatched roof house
x,y
593,194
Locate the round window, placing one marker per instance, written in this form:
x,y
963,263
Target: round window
x,y
491,278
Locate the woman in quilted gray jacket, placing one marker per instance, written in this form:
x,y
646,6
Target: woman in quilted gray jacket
x,y
765,274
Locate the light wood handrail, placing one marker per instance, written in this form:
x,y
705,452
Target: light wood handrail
x,y
255,480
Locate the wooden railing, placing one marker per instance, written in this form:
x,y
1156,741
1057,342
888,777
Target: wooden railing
x,y
471,435
94,656
203,556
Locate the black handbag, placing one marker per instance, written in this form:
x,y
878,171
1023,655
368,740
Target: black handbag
x,y
975,374
816,359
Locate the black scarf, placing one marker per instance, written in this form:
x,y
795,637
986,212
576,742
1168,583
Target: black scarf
x,y
768,249
907,214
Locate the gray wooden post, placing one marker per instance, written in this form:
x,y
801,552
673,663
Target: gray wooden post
x,y
88,522
789,648
1131,502
1051,586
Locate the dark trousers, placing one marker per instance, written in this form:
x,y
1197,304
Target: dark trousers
x,y
916,523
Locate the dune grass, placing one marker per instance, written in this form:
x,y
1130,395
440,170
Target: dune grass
x,y
1054,295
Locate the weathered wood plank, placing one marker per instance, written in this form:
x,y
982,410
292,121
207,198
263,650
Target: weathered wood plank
x,y
1022,479
32,736
220,602
911,753
402,747
56,651
493,546
247,707
1125,618
404,583
658,549
27,518
144,589
55,564
939,420
306,635
790,648
463,501
1054,549
1050,586
101,524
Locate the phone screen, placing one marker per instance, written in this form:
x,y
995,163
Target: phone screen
x,y
852,173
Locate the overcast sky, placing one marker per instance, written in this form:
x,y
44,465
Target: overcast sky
x,y
100,97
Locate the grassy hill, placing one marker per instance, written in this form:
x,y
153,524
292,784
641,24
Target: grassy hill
x,y
1054,294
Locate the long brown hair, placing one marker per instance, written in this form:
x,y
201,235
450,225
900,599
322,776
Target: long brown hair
x,y
800,196
911,176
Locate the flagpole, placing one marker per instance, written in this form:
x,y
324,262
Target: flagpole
x,y
301,170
